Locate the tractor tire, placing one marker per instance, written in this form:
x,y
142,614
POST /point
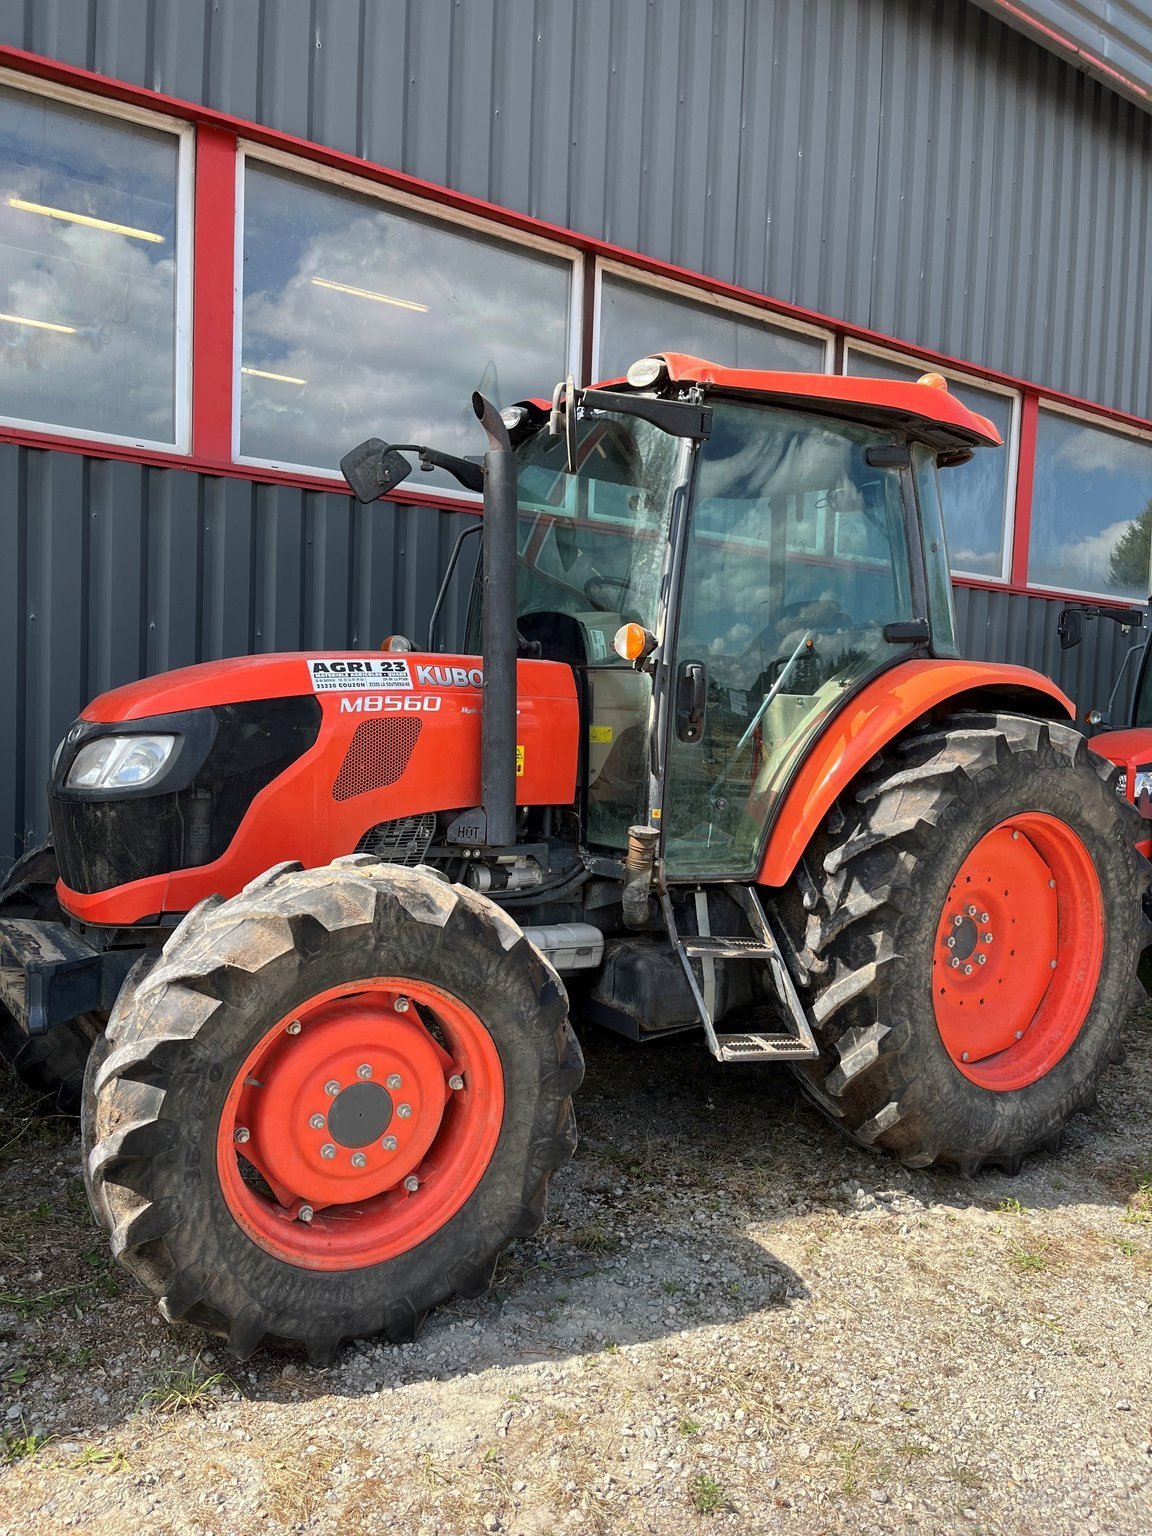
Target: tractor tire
x,y
332,1103
50,1065
969,941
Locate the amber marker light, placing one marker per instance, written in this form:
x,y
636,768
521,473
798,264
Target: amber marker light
x,y
933,380
632,642
396,643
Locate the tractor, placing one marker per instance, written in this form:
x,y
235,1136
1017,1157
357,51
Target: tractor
x,y
306,942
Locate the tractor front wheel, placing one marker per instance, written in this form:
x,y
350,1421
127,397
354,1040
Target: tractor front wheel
x,y
971,940
330,1106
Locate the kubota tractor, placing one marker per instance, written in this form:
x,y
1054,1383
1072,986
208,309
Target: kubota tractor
x,y
711,755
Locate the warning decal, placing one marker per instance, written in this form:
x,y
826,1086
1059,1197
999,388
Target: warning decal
x,y
340,675
519,761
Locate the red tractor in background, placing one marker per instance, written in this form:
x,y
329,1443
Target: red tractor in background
x,y
711,757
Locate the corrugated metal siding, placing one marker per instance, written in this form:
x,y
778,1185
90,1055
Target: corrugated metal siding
x,y
1012,626
1115,34
914,166
112,571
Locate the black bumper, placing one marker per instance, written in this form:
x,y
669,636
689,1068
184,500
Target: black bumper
x,y
49,974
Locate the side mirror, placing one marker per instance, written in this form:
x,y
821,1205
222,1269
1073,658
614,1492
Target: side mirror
x,y
373,469
1070,629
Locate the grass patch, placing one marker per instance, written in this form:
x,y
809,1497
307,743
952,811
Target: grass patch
x,y
45,1301
708,1496
595,1239
16,1444
182,1390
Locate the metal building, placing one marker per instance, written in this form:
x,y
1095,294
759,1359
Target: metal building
x,y
194,191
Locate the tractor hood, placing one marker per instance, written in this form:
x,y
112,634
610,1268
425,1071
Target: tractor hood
x,y
290,756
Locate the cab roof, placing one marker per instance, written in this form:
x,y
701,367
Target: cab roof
x,y
928,411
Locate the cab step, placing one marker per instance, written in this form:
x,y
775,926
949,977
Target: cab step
x,y
703,949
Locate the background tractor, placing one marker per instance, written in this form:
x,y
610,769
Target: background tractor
x,y
710,755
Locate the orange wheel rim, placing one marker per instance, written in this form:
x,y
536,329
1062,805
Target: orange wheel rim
x,y
360,1124
1018,951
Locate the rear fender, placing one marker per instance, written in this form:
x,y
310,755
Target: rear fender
x,y
880,712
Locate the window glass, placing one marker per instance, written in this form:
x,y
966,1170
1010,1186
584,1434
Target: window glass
x,y
363,320
796,561
88,239
636,320
941,606
975,495
1091,508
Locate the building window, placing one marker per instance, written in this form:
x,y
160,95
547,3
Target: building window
x,y
1091,508
638,318
93,284
363,319
977,496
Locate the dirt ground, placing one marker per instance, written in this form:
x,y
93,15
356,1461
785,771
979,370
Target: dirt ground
x,y
733,1321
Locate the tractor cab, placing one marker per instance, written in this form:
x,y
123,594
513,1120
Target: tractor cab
x,y
1126,742
725,559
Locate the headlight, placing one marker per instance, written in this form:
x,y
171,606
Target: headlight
x,y
119,762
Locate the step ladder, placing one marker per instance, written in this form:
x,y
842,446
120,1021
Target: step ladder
x,y
705,948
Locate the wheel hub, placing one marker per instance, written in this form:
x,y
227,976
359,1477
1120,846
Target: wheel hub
x,y
364,1127
360,1114
1017,951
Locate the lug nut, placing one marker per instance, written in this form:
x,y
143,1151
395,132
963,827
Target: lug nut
x,y
1015,837
327,1150
332,1088
1051,885
967,970
1019,1034
1051,965
294,1029
971,911
358,1160
456,1082
241,1133
951,942
987,938
404,1111
963,1055
317,1122
983,917
394,1080
401,1005
957,920
364,1071
389,1143
981,959
411,1183
305,1213
955,964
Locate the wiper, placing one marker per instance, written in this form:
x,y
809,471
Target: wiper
x,y
804,645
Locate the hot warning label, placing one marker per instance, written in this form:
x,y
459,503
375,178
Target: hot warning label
x,y
377,672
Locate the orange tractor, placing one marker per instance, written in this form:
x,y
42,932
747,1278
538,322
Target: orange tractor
x,y
711,757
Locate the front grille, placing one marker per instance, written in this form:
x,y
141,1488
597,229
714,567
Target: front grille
x,y
404,841
377,756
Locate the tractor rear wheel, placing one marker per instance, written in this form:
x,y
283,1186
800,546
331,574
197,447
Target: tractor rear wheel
x,y
331,1104
52,1064
971,941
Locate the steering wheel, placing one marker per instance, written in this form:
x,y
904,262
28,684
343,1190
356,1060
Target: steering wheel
x,y
594,591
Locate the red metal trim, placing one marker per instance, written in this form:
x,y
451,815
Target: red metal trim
x,y
1025,470
1071,49
212,294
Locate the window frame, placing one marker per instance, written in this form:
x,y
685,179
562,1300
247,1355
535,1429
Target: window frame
x,y
1104,424
429,212
184,132
1011,442
703,298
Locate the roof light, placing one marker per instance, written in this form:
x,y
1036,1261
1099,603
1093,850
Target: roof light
x,y
40,325
367,293
632,642
933,380
280,378
86,219
646,371
513,416
396,643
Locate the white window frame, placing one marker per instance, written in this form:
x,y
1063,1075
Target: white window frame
x,y
1103,424
1011,442
705,299
262,154
184,133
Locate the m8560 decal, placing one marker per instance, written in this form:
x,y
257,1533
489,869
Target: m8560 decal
x,y
392,704
340,675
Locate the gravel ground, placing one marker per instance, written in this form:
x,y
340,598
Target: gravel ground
x,y
733,1321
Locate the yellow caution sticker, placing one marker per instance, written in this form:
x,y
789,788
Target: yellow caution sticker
x,y
519,761
656,814
600,735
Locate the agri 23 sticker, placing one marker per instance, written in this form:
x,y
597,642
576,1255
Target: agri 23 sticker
x,y
340,675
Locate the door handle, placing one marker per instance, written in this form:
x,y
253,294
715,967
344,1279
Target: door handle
x,y
691,699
